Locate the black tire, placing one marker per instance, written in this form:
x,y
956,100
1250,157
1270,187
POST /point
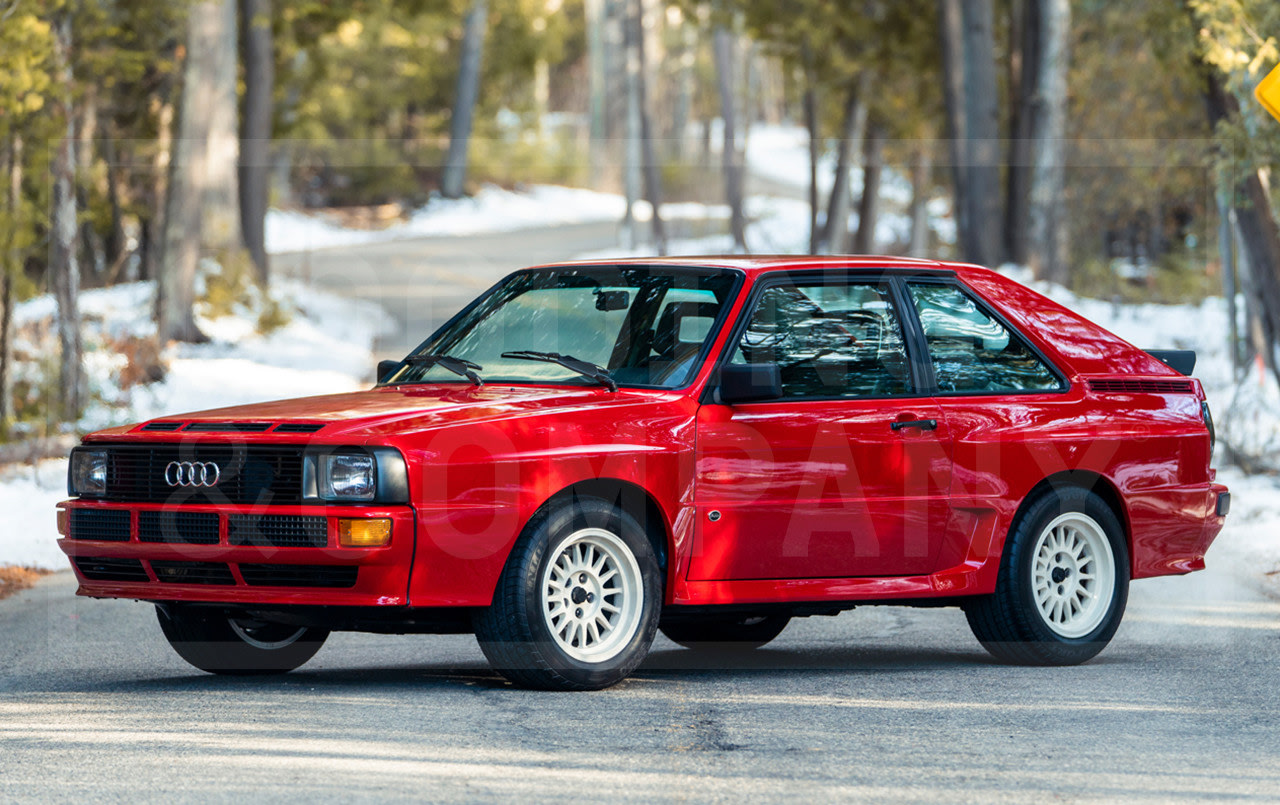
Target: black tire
x,y
1013,626
739,632
220,643
515,634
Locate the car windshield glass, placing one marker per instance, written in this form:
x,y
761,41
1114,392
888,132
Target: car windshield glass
x,y
644,325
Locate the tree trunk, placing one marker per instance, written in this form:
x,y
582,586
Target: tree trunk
x,y
852,136
215,61
198,212
452,184
153,228
982,122
632,177
1227,255
811,124
1025,57
652,176
723,47
12,265
116,248
64,268
255,138
869,205
921,187
1048,243
951,27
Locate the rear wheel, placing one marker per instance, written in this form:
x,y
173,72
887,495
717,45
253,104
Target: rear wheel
x,y
734,631
1063,585
577,605
221,643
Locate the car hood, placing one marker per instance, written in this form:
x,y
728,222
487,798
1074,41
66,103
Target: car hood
x,y
376,412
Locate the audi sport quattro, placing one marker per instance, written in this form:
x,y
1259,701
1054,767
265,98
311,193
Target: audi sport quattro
x,y
593,452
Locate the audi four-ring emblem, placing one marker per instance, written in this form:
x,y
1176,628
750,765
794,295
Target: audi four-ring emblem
x,y
191,473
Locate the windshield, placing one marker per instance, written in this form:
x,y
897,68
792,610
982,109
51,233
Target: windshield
x,y
645,326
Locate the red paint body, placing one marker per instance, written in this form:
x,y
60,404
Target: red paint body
x,y
820,500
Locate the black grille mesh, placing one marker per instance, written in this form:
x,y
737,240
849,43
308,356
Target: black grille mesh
x,y
174,572
98,569
299,575
247,474
105,525
279,531
190,528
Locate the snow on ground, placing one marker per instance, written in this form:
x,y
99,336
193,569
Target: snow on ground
x,y
490,210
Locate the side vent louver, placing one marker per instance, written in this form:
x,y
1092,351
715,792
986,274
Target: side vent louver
x,y
1138,386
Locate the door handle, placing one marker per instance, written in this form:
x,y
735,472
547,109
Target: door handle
x,y
922,424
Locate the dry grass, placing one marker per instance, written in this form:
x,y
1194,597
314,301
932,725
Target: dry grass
x,y
14,579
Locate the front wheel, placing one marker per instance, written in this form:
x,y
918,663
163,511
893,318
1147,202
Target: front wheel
x,y
577,604
1063,584
221,643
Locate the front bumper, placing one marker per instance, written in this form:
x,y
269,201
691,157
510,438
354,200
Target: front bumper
x,y
108,565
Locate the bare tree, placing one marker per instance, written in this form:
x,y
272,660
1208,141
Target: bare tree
x,y
12,265
969,85
722,44
64,268
652,175
198,209
852,134
921,188
255,133
811,125
869,205
452,183
1048,244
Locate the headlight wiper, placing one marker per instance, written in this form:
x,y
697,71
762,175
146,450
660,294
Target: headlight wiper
x,y
585,368
458,366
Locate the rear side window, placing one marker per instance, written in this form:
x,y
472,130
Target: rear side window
x,y
973,352
833,340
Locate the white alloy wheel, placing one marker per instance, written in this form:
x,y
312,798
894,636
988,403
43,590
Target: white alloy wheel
x,y
591,595
266,636
1073,575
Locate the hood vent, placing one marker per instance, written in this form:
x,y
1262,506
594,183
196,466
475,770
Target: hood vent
x,y
1142,386
227,427
162,426
298,427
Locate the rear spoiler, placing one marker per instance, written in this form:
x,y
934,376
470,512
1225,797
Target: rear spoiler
x,y
1182,361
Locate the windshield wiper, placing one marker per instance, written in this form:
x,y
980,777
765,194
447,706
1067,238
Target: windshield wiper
x,y
585,368
458,366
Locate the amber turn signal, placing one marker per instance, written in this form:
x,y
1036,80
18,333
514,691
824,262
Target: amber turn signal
x,y
364,533
62,522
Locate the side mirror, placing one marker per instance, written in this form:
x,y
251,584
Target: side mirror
x,y
385,368
751,382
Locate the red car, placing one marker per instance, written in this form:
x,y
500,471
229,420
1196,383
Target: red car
x,y
590,453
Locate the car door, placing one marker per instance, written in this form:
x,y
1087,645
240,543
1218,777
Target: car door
x,y
847,473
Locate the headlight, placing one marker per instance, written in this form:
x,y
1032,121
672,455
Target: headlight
x,y
347,477
87,474
355,475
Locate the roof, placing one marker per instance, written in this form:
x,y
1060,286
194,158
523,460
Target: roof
x,y
755,263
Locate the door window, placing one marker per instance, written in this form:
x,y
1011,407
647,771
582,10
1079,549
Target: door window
x,y
829,341
971,351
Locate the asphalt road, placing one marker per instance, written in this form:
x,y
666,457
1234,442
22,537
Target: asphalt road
x,y
881,704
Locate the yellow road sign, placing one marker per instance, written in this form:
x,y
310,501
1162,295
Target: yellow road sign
x,y
1268,92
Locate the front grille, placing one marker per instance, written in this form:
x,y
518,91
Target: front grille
x,y
190,528
171,572
299,575
97,569
1142,386
100,525
228,427
279,531
247,474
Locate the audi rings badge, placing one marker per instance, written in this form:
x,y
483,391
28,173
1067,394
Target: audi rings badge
x,y
191,473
